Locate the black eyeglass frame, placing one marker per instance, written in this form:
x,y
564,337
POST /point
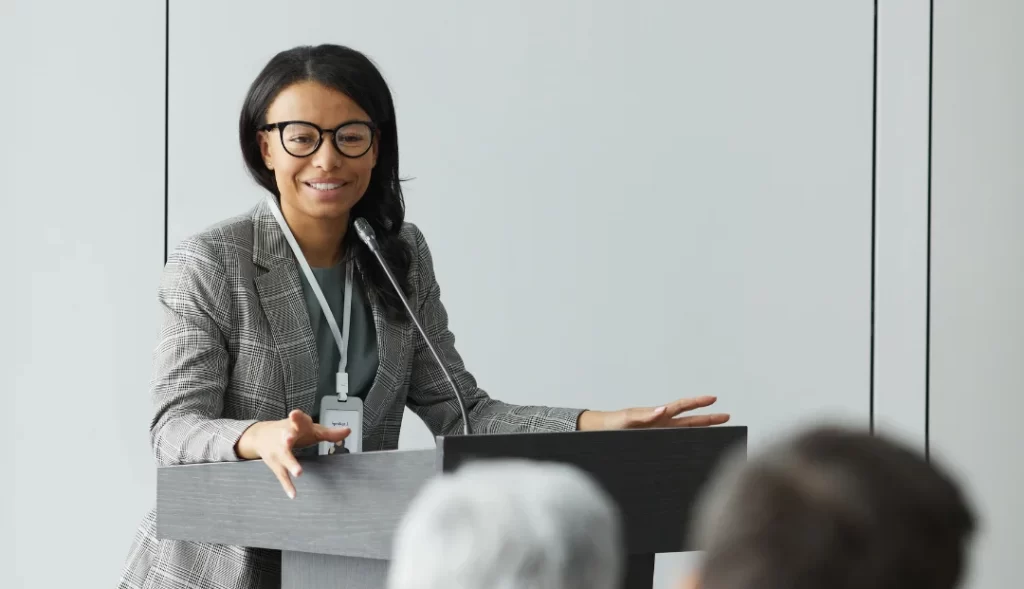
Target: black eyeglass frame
x,y
320,138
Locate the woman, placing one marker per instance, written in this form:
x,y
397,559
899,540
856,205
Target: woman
x,y
250,348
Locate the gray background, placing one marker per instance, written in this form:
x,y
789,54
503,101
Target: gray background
x,y
598,245
902,86
619,200
83,202
977,364
748,175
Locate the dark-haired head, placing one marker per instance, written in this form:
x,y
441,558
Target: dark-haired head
x,y
832,508
338,86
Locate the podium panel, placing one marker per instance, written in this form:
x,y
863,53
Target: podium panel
x,y
653,475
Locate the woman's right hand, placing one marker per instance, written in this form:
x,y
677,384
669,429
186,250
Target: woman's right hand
x,y
273,441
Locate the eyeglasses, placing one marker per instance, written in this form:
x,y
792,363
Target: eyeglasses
x,y
302,139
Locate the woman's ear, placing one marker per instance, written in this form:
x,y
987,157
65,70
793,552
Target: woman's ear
x,y
265,149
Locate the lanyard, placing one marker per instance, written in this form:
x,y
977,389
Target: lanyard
x,y
340,336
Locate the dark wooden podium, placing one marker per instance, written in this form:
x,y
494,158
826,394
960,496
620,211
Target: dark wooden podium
x,y
337,531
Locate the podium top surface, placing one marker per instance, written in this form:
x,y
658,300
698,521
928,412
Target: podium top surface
x,y
351,504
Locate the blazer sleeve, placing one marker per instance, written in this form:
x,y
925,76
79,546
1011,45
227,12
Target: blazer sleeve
x,y
430,396
192,362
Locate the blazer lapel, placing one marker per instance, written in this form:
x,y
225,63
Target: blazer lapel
x,y
393,343
280,293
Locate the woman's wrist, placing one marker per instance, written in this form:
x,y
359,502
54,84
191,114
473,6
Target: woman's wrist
x,y
590,421
245,447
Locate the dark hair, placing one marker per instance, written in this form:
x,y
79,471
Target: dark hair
x,y
353,74
833,508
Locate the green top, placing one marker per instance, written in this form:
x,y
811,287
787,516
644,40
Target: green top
x,y
362,336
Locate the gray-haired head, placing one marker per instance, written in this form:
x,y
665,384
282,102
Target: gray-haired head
x,y
509,524
832,507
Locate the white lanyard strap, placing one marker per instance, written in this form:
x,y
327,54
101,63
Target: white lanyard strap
x,y
340,335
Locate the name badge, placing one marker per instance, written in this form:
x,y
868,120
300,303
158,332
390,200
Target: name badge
x,y
337,413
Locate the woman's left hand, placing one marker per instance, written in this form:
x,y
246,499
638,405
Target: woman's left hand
x,y
647,417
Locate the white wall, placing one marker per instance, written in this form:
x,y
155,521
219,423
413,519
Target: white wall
x,y
977,340
751,183
725,251
83,199
7,314
749,148
901,221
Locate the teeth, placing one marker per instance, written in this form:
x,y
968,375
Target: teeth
x,y
319,186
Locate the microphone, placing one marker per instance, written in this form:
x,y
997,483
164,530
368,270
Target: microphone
x,y
369,237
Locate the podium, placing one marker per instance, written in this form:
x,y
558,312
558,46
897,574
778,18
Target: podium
x,y
337,531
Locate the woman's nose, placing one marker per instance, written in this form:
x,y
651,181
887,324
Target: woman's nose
x,y
327,156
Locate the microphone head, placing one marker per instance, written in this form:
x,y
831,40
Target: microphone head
x,y
366,233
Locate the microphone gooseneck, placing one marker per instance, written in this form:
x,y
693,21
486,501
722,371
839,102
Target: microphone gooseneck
x,y
369,237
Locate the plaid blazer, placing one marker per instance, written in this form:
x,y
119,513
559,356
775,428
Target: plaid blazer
x,y
236,347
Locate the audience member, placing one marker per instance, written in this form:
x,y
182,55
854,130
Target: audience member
x,y
832,509
509,524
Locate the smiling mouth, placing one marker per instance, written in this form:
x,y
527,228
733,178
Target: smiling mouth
x,y
325,186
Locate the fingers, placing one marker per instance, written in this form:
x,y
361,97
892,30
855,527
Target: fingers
x,y
283,462
666,415
287,460
281,473
299,419
302,430
330,434
698,420
280,459
639,417
682,405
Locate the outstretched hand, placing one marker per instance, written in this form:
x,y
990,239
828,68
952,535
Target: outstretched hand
x,y
649,417
273,441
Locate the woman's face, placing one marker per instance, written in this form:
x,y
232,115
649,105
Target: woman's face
x,y
325,185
